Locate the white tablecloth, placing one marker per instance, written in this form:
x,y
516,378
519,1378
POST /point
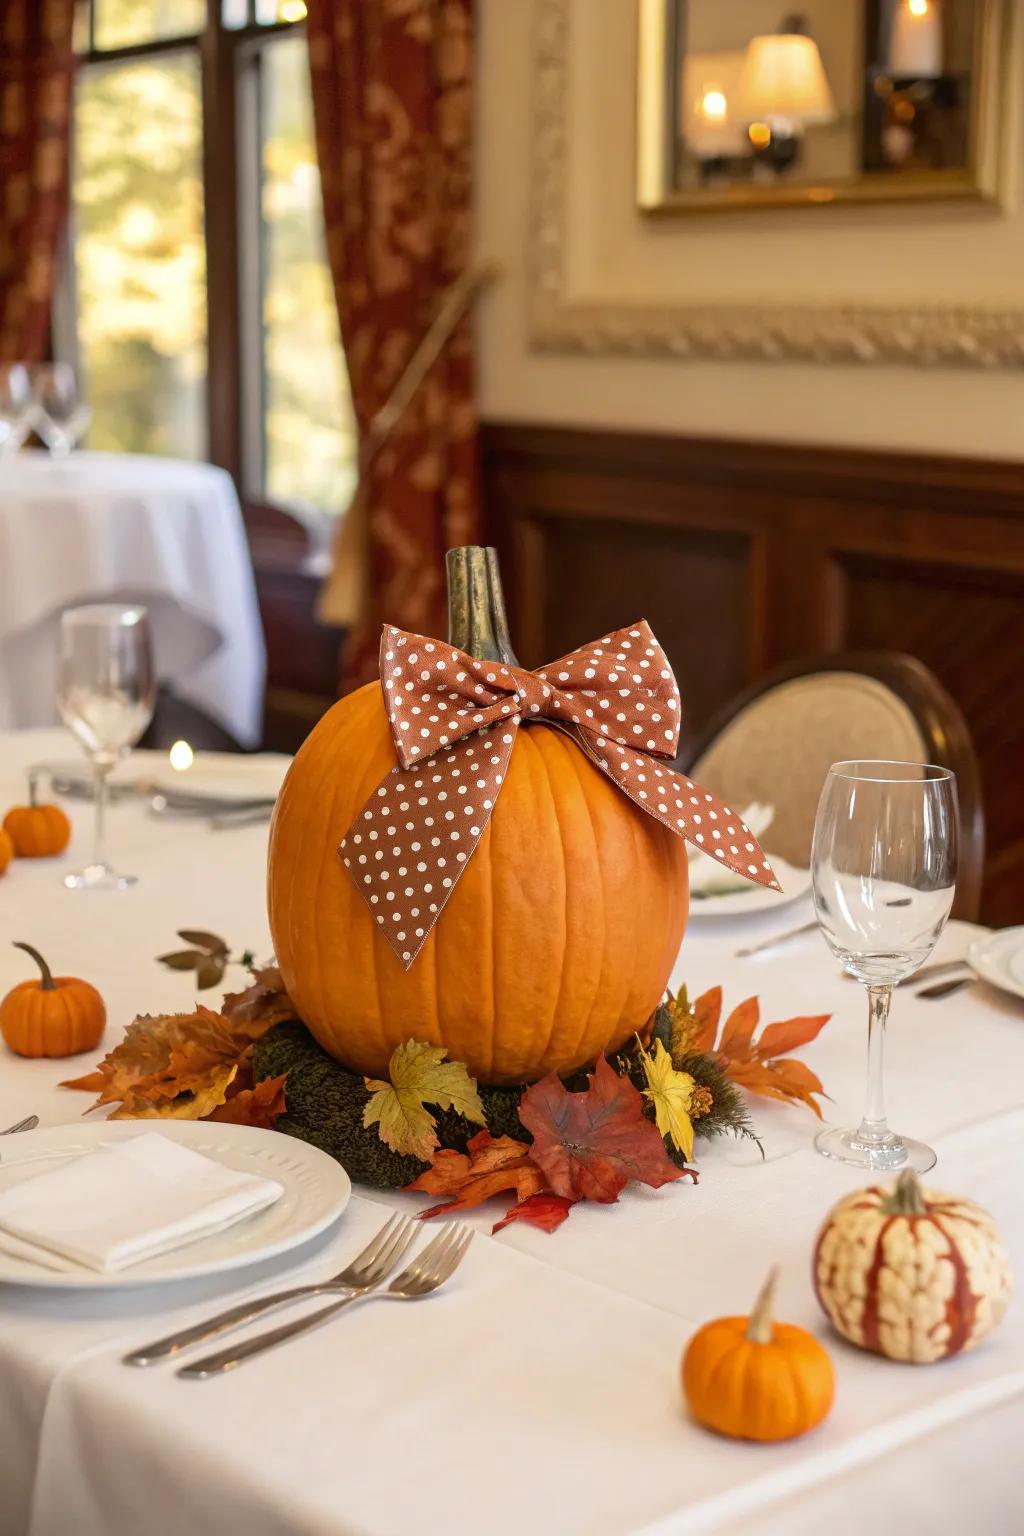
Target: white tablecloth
x,y
119,528
539,1393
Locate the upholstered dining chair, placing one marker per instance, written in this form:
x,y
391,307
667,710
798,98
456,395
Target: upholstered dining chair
x,y
776,740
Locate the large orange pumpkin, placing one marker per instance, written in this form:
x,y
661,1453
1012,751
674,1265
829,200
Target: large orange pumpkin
x,y
559,938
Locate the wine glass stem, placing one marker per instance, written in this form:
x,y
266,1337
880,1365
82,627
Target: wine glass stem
x,y
873,1126
99,825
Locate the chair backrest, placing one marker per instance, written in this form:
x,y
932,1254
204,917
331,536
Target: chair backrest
x,y
777,740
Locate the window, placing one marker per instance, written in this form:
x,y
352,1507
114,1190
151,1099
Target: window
x,y
206,323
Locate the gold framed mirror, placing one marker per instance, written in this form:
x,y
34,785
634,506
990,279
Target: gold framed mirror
x,y
750,104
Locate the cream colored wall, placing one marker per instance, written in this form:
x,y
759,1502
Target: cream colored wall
x,y
925,254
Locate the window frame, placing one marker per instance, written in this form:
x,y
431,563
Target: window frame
x,y
229,93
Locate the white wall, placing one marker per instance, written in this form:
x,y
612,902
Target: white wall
x,y
924,254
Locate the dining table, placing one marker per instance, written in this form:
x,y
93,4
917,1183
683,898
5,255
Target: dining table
x,y
129,528
539,1391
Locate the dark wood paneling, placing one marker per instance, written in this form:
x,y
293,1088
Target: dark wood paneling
x,y
744,555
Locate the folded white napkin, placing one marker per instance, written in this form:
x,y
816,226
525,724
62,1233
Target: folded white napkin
x,y
708,876
126,1202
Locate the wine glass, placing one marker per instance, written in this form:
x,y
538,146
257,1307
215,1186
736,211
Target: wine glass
x,y
883,869
106,690
61,417
17,410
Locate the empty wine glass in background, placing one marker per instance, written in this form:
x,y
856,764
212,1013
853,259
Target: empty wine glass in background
x,y
61,417
17,407
883,868
106,690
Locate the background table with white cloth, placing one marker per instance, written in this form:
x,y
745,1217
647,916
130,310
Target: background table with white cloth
x,y
539,1392
100,527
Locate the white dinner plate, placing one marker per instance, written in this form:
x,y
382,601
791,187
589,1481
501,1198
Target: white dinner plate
x,y
316,1191
999,958
755,898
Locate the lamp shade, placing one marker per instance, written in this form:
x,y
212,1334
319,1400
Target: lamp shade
x,y
915,42
783,76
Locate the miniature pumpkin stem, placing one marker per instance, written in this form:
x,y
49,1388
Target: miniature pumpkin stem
x,y
759,1325
476,605
906,1199
48,984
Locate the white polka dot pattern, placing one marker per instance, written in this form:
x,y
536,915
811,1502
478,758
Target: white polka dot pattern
x,y
454,720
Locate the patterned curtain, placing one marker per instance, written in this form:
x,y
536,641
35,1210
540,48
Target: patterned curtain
x,y
36,75
392,105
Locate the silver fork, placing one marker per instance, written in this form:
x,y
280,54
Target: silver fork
x,y
429,1270
377,1260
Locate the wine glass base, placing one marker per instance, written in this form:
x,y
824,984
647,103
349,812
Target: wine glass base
x,y
98,877
888,1155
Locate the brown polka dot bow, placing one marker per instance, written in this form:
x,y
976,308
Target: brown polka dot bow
x,y
454,720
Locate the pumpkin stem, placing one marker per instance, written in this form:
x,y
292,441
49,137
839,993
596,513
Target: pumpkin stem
x,y
47,984
476,605
906,1199
759,1324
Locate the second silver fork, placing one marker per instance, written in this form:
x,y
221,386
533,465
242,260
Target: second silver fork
x,y
426,1273
380,1256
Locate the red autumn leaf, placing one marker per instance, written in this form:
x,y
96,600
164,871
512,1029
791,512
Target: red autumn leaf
x,y
740,1026
543,1210
488,1166
707,1011
591,1144
779,1039
259,1106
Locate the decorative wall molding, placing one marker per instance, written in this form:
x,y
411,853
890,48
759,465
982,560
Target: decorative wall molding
x,y
934,335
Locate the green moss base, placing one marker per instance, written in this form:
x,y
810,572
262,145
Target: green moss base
x,y
326,1103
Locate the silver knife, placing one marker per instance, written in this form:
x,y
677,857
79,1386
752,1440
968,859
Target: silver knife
x,y
780,938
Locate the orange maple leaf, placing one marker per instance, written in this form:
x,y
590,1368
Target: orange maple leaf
x,y
489,1165
760,1065
179,1064
259,1106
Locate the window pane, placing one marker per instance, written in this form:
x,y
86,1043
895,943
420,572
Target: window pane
x,y
234,14
120,23
309,439
140,259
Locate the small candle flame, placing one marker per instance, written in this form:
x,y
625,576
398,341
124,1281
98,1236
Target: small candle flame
x,y
181,756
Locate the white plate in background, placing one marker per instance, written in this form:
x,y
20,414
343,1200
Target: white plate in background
x,y
999,958
755,898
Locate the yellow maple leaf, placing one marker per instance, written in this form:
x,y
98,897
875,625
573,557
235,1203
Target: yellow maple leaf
x,y
193,1104
670,1092
419,1076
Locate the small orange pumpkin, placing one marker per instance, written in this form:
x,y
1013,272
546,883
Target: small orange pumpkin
x,y
55,1016
6,851
910,1273
37,831
754,1379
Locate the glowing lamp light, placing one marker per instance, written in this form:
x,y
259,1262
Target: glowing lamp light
x,y
713,105
917,7
760,135
181,756
292,10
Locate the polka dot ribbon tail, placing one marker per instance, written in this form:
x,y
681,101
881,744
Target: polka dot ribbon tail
x,y
454,720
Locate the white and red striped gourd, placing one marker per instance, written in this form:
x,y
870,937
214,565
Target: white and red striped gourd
x,y
910,1273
